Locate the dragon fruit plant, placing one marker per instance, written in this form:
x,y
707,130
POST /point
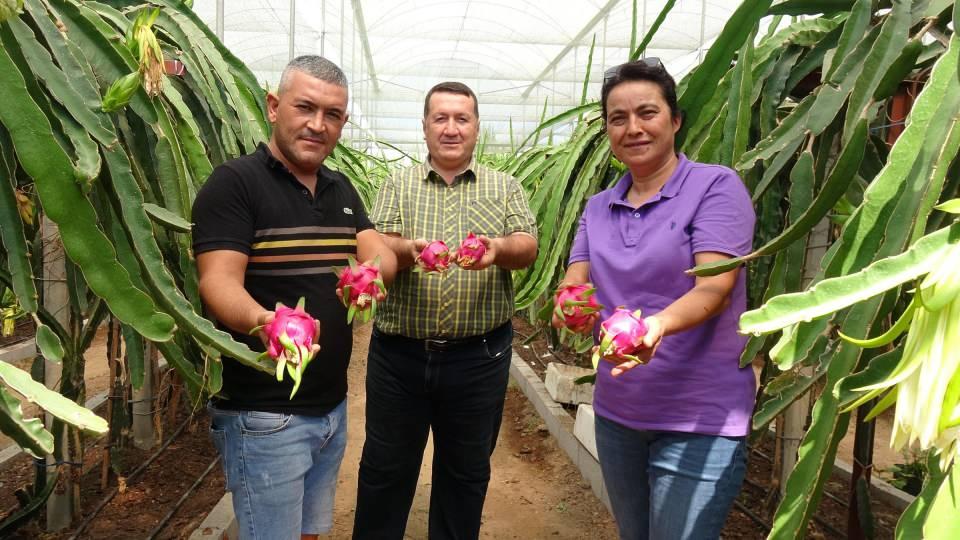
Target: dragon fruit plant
x,y
470,252
621,336
576,306
360,288
290,338
435,257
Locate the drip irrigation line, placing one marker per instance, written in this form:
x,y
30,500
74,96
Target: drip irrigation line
x,y
833,530
836,499
750,514
760,453
134,473
183,499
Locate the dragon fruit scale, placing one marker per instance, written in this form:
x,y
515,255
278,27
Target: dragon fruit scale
x,y
435,257
471,250
290,338
361,287
621,336
575,305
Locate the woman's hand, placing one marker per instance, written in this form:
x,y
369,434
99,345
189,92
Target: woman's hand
x,y
584,328
651,340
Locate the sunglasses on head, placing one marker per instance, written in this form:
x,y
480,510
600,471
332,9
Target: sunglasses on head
x,y
650,61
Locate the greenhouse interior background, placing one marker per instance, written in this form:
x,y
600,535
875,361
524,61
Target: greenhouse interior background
x,y
834,123
521,57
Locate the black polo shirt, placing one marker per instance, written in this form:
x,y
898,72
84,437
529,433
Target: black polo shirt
x,y
254,205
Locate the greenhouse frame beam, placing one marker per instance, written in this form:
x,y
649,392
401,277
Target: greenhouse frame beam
x,y
362,30
602,14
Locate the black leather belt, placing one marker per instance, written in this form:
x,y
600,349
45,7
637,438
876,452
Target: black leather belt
x,y
448,344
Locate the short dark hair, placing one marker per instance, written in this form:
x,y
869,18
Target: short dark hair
x,y
641,70
451,87
315,66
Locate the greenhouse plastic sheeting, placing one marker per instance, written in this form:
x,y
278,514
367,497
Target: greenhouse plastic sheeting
x,y
516,55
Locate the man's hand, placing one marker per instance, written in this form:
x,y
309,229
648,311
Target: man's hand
x,y
416,246
492,245
267,317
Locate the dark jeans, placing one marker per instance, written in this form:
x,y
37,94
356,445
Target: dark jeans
x,y
413,386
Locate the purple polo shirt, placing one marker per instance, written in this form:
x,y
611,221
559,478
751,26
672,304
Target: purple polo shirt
x,y
637,259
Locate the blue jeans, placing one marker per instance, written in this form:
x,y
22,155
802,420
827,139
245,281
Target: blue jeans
x,y
281,469
416,386
669,485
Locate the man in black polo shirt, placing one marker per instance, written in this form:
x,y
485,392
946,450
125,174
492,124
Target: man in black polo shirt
x,y
270,227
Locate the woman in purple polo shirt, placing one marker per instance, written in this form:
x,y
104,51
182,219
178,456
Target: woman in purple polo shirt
x,y
670,431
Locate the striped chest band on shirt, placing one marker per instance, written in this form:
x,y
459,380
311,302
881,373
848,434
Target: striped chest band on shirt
x,y
295,251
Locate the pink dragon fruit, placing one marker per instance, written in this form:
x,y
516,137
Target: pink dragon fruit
x,y
471,250
434,258
575,305
290,338
361,287
621,336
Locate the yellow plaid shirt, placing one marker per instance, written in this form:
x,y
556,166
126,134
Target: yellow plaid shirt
x,y
417,203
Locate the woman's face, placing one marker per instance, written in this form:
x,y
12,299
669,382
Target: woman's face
x,y
640,126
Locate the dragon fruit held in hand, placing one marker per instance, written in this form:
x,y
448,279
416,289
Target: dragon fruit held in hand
x,y
574,305
361,287
290,337
621,336
434,258
471,251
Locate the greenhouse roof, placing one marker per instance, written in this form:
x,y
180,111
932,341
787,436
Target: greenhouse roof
x,y
517,55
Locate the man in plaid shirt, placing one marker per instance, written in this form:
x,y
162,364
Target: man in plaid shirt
x,y
441,346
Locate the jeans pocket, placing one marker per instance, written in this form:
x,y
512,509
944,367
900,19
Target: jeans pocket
x,y
219,438
260,423
498,346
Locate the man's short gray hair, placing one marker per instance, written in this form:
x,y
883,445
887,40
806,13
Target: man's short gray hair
x,y
315,66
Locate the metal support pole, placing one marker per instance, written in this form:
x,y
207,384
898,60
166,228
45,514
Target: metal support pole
x,y
703,24
323,26
218,26
293,27
143,403
56,299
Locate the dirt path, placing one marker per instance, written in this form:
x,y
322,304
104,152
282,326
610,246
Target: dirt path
x,y
535,492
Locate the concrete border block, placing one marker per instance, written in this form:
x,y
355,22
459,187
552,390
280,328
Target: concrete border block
x,y
583,429
19,351
219,524
559,381
879,488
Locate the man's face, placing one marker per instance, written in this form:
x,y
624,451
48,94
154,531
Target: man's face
x,y
450,129
307,119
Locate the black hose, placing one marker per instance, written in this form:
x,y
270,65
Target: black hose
x,y
130,476
183,499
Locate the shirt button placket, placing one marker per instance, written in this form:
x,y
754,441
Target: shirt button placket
x,y
450,212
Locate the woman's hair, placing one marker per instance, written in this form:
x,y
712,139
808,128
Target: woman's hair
x,y
645,69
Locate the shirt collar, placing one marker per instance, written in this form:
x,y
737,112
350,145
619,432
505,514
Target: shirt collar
x,y
618,195
324,176
468,173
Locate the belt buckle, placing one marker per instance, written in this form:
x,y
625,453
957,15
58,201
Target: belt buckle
x,y
436,344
